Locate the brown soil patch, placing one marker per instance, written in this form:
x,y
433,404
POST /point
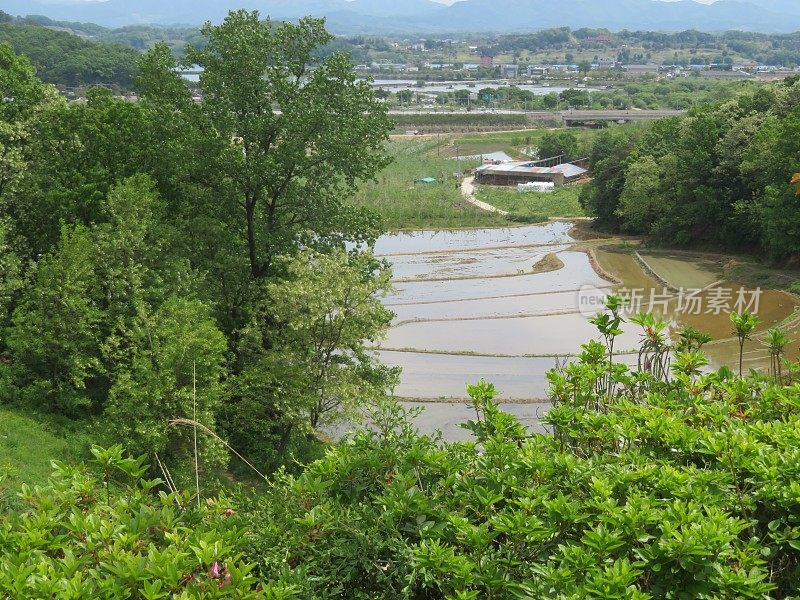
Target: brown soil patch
x,y
551,262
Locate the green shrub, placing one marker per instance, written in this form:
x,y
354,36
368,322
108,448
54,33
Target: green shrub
x,y
659,483
89,537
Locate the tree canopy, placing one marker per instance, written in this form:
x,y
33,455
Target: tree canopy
x,y
719,176
155,252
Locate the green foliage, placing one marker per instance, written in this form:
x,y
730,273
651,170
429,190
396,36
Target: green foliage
x,y
55,332
69,60
743,326
466,120
320,320
719,176
608,155
561,203
10,278
651,486
146,244
175,372
28,443
280,157
402,204
559,143
81,537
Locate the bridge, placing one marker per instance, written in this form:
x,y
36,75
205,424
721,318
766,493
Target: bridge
x,y
569,117
572,117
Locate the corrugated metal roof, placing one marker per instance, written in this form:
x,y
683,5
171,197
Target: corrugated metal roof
x,y
519,167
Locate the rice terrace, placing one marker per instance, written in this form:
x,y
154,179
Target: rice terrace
x,y
423,300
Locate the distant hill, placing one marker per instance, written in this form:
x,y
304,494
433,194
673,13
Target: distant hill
x,y
65,59
425,16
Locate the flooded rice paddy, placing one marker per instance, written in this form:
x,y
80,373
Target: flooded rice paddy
x,y
469,304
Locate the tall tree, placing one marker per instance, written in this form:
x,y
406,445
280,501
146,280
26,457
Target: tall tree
x,y
317,366
290,135
54,339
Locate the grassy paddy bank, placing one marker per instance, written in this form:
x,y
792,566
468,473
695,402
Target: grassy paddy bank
x,y
404,204
533,207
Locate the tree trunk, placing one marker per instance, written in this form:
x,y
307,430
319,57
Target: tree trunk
x,y
250,209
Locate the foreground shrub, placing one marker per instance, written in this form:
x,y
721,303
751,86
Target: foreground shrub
x,y
89,537
663,482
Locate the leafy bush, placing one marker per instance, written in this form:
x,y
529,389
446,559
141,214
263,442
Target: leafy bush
x,y
658,483
666,481
87,537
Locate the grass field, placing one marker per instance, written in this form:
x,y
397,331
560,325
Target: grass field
x,y
532,207
404,204
28,444
515,121
513,142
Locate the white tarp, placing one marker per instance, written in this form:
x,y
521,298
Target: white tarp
x,y
536,186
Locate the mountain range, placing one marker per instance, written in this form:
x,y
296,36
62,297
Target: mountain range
x,y
428,17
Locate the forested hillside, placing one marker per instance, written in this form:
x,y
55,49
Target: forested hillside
x,y
68,60
718,177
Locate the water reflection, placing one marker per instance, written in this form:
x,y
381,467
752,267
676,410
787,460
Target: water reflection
x,y
457,324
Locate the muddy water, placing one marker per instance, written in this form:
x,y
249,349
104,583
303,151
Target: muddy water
x,y
577,272
478,263
709,313
449,374
553,334
537,304
448,417
468,307
453,240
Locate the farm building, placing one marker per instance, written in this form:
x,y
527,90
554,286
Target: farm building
x,y
516,172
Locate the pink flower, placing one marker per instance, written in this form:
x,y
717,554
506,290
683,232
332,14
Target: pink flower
x,y
215,570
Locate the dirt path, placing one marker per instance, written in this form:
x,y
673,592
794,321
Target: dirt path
x,y
468,191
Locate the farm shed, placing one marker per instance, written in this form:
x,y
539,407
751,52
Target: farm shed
x,y
514,173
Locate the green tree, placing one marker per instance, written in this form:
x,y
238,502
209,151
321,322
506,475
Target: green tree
x,y
176,372
55,329
22,98
287,143
776,342
318,367
608,158
11,280
743,326
76,154
640,200
558,144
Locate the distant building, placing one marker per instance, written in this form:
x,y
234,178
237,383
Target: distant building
x,y
603,38
516,172
606,64
487,61
510,70
471,66
641,69
534,70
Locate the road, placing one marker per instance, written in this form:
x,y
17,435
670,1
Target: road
x,y
468,191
